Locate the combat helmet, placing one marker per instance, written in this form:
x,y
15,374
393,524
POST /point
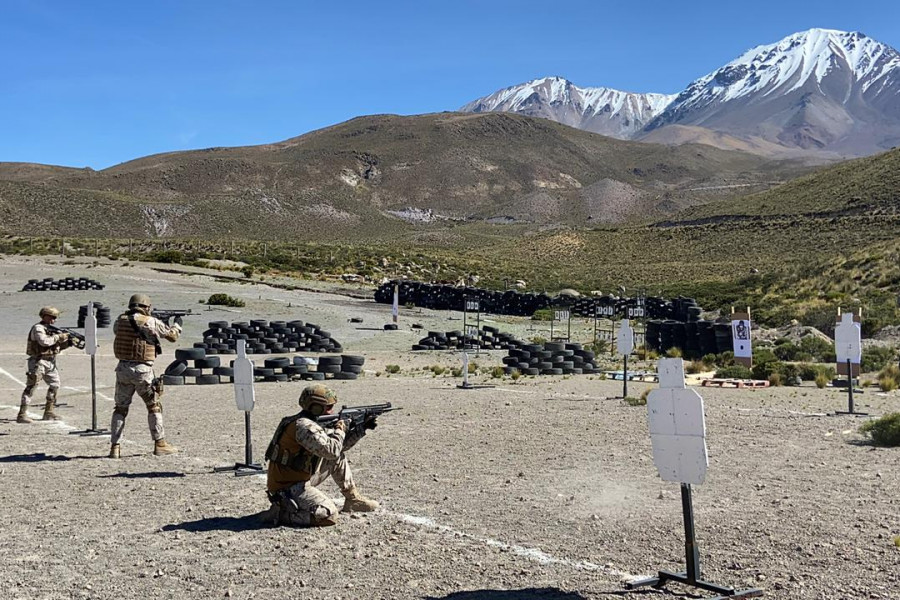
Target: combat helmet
x,y
316,399
50,311
137,300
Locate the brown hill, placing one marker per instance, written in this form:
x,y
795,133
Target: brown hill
x,y
380,177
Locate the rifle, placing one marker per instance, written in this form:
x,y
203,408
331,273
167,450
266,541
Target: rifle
x,y
164,314
356,417
76,338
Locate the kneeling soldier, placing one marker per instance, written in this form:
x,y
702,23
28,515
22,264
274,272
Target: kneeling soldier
x,y
302,454
42,348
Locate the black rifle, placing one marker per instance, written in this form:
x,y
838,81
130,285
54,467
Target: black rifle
x,y
164,314
76,338
356,416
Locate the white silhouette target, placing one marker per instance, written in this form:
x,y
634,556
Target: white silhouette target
x,y
244,395
677,426
848,340
625,339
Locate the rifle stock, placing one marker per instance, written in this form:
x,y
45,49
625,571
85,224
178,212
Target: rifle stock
x,y
77,338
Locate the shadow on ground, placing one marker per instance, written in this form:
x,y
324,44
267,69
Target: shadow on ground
x,y
148,475
41,457
525,594
245,523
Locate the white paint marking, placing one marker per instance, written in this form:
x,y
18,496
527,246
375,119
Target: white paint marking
x,y
533,554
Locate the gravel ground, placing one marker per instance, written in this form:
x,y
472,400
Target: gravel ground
x,y
541,488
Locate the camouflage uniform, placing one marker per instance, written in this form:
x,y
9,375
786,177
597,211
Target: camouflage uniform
x,y
302,455
137,337
42,349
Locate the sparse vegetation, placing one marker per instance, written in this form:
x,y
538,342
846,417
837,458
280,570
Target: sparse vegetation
x,y
392,369
734,372
225,300
884,431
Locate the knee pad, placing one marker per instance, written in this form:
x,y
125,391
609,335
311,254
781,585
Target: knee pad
x,y
121,410
154,407
322,517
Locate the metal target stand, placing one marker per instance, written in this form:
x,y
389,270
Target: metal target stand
x,y
678,437
692,575
245,398
90,348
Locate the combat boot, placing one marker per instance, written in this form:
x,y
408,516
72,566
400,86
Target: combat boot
x,y
162,448
23,415
115,451
356,502
49,413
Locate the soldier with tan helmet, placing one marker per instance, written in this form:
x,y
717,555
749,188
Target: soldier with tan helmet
x,y
301,455
42,348
136,345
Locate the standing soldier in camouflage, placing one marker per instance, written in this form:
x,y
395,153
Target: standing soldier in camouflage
x,y
136,345
301,455
42,348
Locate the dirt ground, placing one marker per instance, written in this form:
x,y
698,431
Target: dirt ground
x,y
540,488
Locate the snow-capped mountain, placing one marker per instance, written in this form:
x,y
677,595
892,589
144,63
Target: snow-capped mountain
x,y
820,90
601,110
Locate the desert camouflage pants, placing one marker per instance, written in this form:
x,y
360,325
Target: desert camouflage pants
x,y
131,378
313,506
40,369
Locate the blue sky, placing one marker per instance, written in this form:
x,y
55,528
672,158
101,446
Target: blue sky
x,y
96,83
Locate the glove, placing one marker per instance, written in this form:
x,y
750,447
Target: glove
x,y
341,425
370,424
178,320
63,337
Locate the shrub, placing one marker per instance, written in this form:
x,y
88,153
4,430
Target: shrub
x,y
695,366
891,372
497,372
473,367
763,355
884,431
645,353
674,352
786,351
543,314
247,270
790,374
709,360
392,368
810,372
599,347
515,375
224,300
456,372
632,401
437,369
822,380
887,384
734,372
819,349
775,379
875,358
764,369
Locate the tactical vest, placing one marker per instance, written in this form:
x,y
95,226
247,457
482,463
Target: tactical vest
x,y
128,344
289,462
35,350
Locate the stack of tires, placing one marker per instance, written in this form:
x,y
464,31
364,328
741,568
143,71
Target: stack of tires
x,y
66,284
551,358
695,338
191,365
265,337
511,302
487,338
104,319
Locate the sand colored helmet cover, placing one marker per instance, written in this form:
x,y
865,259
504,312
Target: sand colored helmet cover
x,y
317,398
49,311
139,299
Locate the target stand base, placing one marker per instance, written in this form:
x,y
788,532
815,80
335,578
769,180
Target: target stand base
x,y
664,577
241,469
90,432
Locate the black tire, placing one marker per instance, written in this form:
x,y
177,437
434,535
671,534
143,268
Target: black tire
x,y
173,380
349,359
295,369
313,376
192,372
263,372
208,380
345,375
390,327
208,362
328,368
276,377
176,368
223,371
190,353
531,371
329,360
277,363
351,368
